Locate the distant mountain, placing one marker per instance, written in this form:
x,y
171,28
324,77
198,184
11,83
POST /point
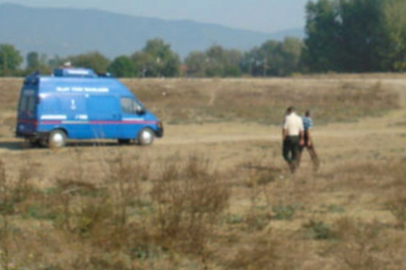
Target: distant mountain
x,y
63,32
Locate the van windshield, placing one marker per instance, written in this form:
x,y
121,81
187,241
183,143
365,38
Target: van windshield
x,y
26,106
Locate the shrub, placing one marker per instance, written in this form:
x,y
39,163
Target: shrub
x,y
284,212
318,230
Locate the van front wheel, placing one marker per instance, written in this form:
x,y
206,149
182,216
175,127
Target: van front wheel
x,y
57,139
146,137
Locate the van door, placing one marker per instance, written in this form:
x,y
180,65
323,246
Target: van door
x,y
27,112
72,108
103,116
132,118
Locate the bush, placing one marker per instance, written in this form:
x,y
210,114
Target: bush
x,y
318,230
284,212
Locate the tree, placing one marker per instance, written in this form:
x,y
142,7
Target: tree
x,y
33,60
10,60
393,46
360,23
232,66
122,66
216,58
249,63
273,58
170,66
323,41
214,62
145,64
156,60
93,60
56,61
270,59
196,64
36,62
291,50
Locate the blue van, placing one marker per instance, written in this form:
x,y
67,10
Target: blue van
x,y
76,103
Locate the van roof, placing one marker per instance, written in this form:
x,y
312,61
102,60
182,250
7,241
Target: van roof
x,y
76,80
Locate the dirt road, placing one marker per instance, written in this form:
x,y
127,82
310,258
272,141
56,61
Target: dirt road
x,y
227,145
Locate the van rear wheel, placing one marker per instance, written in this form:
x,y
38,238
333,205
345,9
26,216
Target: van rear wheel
x,y
34,143
146,137
57,139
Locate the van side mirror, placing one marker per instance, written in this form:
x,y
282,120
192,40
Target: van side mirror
x,y
140,110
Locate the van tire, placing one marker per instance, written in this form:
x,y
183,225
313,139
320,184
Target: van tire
x,y
124,141
145,137
34,143
57,139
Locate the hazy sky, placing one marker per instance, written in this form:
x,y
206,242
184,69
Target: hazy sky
x,y
260,15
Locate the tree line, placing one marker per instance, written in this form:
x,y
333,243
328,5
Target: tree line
x,y
157,59
341,36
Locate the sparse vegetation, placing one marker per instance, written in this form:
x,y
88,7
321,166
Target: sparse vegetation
x,y
214,204
318,230
128,219
261,101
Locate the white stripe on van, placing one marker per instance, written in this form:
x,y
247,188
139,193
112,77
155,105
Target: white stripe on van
x,y
133,119
75,122
81,117
53,117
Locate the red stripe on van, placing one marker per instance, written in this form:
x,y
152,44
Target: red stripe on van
x,y
98,122
28,121
122,122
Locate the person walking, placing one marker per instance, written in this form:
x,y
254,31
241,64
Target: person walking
x,y
308,141
293,137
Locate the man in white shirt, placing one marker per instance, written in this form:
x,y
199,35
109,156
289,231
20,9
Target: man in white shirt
x,y
292,135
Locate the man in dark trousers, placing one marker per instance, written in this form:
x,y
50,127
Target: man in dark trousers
x,y
293,137
308,142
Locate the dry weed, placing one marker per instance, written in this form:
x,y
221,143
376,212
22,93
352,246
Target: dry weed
x,y
268,252
189,200
358,244
397,201
5,233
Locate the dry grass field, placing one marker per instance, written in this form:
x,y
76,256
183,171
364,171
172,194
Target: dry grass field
x,y
215,193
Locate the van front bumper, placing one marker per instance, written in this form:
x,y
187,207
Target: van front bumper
x,y
160,130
